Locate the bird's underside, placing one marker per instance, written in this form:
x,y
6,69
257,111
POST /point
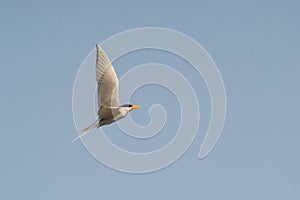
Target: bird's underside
x,y
109,115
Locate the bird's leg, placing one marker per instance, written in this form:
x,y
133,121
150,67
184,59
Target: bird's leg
x,y
99,125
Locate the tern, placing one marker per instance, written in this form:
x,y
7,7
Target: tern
x,y
109,106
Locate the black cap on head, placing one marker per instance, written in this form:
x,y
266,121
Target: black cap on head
x,y
127,105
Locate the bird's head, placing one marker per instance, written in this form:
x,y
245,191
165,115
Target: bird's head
x,y
130,107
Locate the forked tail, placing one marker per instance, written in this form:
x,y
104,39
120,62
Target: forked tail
x,y
86,130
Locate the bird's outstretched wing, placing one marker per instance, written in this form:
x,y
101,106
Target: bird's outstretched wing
x,y
107,81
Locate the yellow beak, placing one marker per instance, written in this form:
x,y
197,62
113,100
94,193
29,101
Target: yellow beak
x,y
135,107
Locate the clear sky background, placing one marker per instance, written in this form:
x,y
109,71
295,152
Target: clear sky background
x,y
256,47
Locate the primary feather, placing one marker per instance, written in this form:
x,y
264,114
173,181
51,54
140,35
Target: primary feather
x,y
107,80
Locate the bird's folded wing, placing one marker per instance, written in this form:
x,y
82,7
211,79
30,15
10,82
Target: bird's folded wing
x,y
107,81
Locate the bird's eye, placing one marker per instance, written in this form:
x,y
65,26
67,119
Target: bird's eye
x,y
130,106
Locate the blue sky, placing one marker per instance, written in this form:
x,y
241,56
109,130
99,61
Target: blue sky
x,y
255,45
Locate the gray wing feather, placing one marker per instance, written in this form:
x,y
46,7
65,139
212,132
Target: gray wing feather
x,y
107,80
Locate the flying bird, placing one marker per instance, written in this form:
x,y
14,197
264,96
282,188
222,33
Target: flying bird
x,y
109,106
